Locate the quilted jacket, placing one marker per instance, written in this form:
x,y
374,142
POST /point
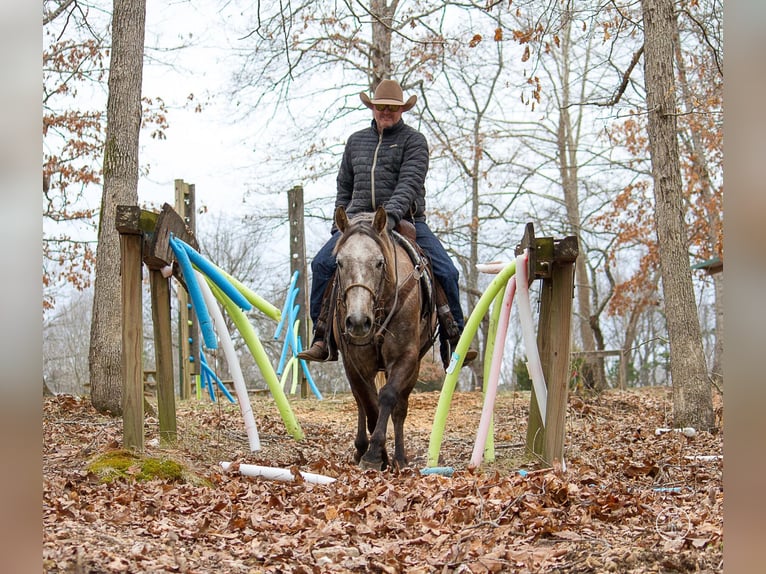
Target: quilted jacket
x,y
386,169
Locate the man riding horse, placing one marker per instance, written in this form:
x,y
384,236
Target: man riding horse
x,y
385,165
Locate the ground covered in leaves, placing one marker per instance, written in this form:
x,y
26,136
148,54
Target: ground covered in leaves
x,y
628,500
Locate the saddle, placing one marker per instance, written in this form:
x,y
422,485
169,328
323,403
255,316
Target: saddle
x,y
404,234
433,293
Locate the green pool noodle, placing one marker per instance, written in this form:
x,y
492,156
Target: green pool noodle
x,y
248,333
450,381
253,297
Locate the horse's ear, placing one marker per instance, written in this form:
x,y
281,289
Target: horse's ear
x,y
381,219
341,219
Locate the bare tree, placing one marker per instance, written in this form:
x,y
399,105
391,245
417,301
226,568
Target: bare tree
x,y
472,148
65,354
120,169
699,136
75,52
692,395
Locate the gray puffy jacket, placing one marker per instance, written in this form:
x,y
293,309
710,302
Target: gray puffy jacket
x,y
387,169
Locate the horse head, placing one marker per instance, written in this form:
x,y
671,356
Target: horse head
x,y
365,275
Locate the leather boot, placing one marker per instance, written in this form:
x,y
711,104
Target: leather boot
x,y
450,331
447,323
318,351
470,355
447,346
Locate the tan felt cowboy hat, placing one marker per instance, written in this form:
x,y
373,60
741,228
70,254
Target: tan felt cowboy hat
x,y
388,92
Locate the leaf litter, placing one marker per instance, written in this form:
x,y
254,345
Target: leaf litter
x,y
627,501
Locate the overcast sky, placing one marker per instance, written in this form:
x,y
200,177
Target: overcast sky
x,y
206,149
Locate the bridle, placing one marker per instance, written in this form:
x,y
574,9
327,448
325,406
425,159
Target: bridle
x,y
378,294
400,292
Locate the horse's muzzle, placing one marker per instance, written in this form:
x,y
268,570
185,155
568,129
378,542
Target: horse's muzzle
x,y
359,327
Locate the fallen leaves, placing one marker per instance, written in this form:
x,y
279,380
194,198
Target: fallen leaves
x,y
601,514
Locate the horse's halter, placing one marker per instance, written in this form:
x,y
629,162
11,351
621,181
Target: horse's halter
x,y
376,293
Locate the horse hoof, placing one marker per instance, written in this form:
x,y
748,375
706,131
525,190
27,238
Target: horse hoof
x,y
367,465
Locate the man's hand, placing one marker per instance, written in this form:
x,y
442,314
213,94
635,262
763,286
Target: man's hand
x,y
390,222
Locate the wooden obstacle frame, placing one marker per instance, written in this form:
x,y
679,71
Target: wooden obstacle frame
x,y
553,262
145,239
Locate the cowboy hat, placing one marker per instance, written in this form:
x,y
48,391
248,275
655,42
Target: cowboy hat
x,y
388,92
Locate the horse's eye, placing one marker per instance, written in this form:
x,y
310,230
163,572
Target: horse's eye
x,y
340,264
379,264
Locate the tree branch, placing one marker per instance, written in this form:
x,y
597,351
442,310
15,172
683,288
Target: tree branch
x,y
625,79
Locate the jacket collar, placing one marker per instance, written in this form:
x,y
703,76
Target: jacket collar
x,y
393,129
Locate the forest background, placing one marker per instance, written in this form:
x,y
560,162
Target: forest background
x,y
747,41
533,113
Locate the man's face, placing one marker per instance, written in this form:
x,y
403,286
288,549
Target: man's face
x,y
386,116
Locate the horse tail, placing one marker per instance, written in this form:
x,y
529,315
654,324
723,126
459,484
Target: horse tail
x,y
380,379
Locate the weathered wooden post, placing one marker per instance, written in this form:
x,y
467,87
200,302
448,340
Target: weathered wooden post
x,y
131,242
553,262
298,263
188,332
158,255
144,238
163,355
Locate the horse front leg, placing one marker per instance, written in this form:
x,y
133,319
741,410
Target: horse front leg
x,y
376,456
367,414
361,442
398,416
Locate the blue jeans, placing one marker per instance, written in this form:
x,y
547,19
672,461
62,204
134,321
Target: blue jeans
x,y
323,268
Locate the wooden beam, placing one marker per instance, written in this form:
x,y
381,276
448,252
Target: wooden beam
x,y
555,355
132,220
188,331
601,353
298,263
132,342
163,353
553,342
158,252
551,260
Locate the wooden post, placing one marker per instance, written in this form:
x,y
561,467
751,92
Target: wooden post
x,y
623,380
144,236
188,333
553,262
298,263
554,346
163,352
131,243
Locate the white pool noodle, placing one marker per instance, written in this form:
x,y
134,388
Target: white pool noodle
x,y
494,374
534,366
493,267
283,474
233,361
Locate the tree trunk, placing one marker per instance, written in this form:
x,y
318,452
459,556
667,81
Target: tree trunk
x,y
382,17
120,188
567,138
692,396
696,151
